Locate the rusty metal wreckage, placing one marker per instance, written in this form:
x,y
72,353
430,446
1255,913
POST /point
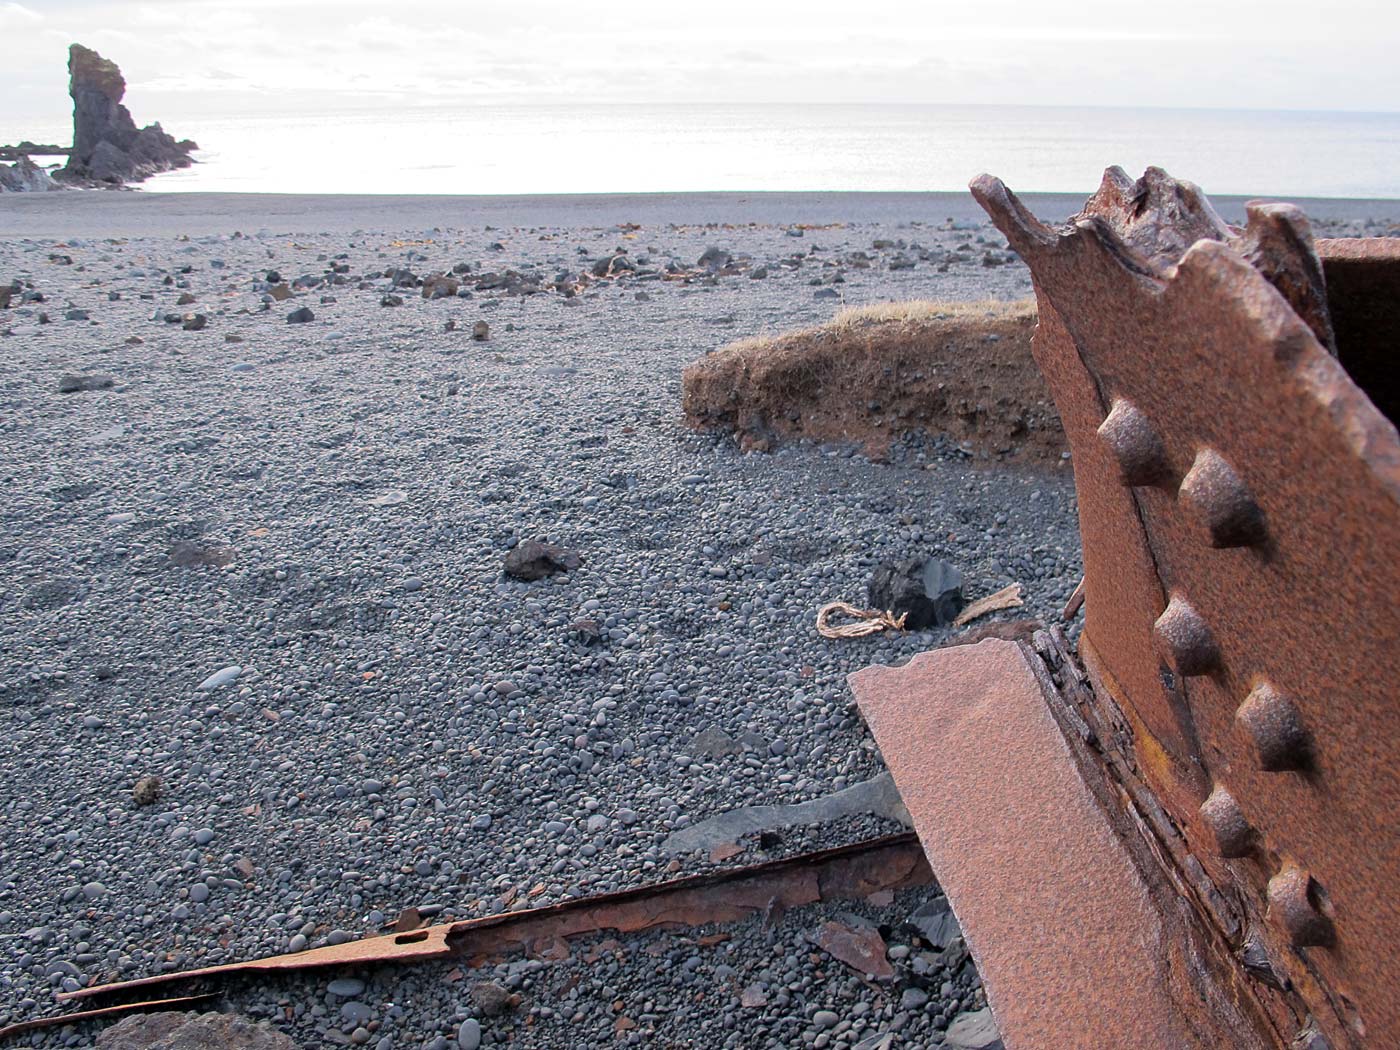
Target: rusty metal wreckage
x,y
1181,835
1177,834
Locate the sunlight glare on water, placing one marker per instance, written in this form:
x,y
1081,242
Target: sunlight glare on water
x,y
676,148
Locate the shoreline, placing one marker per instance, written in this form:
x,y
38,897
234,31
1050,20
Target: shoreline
x,y
139,213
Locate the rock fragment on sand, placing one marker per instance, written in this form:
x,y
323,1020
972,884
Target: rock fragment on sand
x,y
534,560
481,331
439,286
220,678
714,259
927,592
146,791
493,999
301,315
76,384
976,1030
191,1031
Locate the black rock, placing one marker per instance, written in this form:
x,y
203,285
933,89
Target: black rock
x,y
714,259
928,591
74,384
613,264
534,560
935,922
301,316
493,999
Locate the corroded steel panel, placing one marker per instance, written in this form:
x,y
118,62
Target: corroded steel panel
x,y
1267,486
1070,932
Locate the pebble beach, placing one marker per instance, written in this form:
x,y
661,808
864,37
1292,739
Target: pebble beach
x,y
259,491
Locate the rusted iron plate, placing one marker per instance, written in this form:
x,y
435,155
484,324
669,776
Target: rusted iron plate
x,y
858,870
1122,595
1267,485
1071,939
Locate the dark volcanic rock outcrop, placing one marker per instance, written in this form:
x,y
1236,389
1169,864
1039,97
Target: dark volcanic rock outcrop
x,y
107,145
24,176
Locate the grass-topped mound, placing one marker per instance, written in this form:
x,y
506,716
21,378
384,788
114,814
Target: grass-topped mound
x,y
963,370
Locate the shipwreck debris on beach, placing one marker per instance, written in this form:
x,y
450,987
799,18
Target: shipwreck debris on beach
x,y
857,870
1177,832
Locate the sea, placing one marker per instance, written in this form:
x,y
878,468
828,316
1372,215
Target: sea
x,y
549,149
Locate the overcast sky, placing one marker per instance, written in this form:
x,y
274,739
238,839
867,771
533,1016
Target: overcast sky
x,y
230,56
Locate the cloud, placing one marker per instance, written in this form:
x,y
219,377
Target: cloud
x,y
13,16
181,55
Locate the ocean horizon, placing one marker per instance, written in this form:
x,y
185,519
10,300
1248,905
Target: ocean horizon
x,y
677,148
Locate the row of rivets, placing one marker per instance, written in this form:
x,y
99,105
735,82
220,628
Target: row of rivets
x,y
1224,509
1292,893
1212,492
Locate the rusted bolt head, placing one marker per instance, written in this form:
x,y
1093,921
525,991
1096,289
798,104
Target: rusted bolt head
x,y
1274,726
1293,904
1222,814
1222,504
1142,460
1183,638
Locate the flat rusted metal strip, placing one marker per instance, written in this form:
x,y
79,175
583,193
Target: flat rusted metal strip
x,y
1069,933
37,1023
856,870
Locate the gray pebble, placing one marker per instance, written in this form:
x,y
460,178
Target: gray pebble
x,y
222,677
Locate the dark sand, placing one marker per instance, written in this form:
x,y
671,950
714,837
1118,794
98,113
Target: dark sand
x,y
139,213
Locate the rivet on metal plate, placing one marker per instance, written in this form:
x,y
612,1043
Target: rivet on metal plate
x,y
1183,637
1216,496
1293,904
1222,814
1142,460
1275,727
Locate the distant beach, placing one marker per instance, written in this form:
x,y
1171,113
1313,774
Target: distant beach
x,y
97,213
481,149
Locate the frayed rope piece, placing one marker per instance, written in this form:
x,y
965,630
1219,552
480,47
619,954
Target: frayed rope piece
x,y
872,621
868,621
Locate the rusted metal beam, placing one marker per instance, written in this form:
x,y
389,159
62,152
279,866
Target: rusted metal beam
x,y
857,870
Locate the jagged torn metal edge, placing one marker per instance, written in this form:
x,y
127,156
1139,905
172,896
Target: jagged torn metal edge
x,y
1276,248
